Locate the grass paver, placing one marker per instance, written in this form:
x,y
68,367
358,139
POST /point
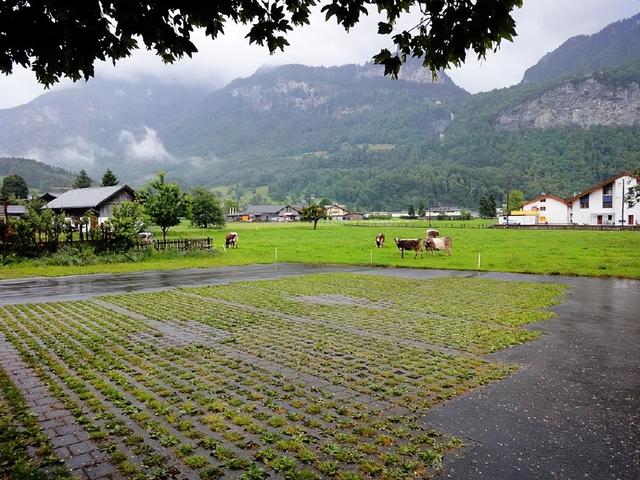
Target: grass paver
x,y
313,377
69,441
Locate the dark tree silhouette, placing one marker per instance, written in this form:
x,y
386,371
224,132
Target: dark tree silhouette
x,y
72,36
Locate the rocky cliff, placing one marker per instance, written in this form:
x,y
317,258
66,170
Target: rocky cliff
x,y
585,103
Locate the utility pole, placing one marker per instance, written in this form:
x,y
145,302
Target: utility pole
x,y
623,200
507,207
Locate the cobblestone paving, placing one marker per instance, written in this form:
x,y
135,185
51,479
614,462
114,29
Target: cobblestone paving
x,y
70,441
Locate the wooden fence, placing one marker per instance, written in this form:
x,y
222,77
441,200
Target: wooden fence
x,y
417,224
181,244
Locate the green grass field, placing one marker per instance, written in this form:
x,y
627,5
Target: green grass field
x,y
306,378
555,252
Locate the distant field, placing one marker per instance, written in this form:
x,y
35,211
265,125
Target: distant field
x,y
589,253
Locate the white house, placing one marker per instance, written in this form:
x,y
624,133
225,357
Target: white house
x,y
604,203
548,209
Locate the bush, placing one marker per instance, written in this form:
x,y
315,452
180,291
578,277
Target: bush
x,y
85,255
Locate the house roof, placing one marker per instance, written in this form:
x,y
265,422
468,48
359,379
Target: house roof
x,y
543,196
602,184
267,209
48,196
87,197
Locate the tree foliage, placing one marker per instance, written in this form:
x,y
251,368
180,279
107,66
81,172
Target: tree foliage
x,y
72,36
109,179
14,186
126,221
205,209
82,180
516,198
164,202
313,213
487,207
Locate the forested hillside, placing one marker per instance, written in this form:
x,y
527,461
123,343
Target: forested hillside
x,y
38,175
476,154
615,45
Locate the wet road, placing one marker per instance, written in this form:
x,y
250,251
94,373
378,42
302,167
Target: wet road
x,y
571,411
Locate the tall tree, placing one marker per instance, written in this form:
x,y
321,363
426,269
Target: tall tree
x,y
516,198
313,213
14,186
71,40
205,209
491,206
164,202
109,179
421,209
82,180
411,211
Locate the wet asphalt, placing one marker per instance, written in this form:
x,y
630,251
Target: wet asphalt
x,y
571,411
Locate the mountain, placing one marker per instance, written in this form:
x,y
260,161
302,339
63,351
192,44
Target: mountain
x,y
296,108
613,46
38,175
98,124
352,135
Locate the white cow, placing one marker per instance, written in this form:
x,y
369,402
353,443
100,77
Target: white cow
x,y
434,244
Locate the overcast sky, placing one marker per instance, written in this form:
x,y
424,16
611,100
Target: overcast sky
x,y
542,26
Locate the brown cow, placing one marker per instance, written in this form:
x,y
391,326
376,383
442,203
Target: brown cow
x,y
380,240
434,244
231,240
410,244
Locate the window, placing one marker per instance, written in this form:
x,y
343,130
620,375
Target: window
x,y
542,209
607,196
584,201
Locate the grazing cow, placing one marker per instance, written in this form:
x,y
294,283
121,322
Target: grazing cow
x,y
231,240
380,240
410,244
432,233
434,244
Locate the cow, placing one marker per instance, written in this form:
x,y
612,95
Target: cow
x,y
434,244
410,244
432,233
380,240
231,240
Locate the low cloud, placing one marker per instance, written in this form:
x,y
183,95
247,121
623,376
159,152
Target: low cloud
x,y
144,148
74,153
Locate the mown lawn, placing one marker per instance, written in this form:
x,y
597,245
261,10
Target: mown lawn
x,y
589,253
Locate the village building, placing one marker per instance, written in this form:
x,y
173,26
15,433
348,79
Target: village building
x,y
336,211
602,204
606,203
267,213
101,200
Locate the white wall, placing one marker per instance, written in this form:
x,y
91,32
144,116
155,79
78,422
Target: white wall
x,y
612,215
551,211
